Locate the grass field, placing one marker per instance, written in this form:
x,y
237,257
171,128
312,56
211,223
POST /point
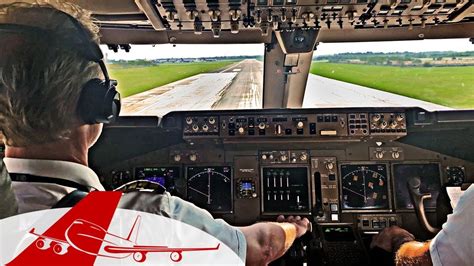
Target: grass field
x,y
133,80
448,86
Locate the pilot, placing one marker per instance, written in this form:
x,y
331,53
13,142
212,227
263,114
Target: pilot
x,y
453,245
47,142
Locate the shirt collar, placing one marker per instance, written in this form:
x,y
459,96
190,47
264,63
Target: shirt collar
x,y
57,169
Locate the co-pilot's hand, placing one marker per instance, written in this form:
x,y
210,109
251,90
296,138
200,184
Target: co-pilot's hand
x,y
391,238
303,225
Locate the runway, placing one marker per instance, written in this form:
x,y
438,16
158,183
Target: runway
x,y
240,86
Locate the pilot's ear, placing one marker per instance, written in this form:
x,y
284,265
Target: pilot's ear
x,y
90,133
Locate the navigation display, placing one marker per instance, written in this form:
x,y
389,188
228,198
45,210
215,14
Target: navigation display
x,y
162,175
429,175
364,186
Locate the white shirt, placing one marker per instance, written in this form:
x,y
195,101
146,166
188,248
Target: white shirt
x,y
454,244
39,196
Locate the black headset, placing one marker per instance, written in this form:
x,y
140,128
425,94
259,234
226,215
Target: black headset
x,y
99,100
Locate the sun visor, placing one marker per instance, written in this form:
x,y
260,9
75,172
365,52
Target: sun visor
x,y
297,40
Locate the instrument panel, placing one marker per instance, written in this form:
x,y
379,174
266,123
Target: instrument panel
x,y
334,166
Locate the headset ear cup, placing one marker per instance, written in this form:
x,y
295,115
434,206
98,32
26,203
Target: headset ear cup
x,y
112,104
98,102
89,105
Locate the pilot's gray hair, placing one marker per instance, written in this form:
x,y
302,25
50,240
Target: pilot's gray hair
x,y
39,85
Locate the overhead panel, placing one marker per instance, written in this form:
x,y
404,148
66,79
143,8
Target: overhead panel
x,y
288,14
217,18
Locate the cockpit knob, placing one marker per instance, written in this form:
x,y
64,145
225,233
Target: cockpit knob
x,y
264,156
211,120
379,155
259,16
171,15
329,165
376,117
283,15
269,15
192,157
400,117
278,129
300,125
283,158
177,157
214,14
393,124
303,157
192,14
241,130
189,120
350,15
293,15
235,14
195,128
307,17
261,125
395,155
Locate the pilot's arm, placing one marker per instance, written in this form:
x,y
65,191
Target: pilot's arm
x,y
257,244
402,243
453,245
267,242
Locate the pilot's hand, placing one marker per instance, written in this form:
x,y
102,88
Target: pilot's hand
x,y
303,225
391,238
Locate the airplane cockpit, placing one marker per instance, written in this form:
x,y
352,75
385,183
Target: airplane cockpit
x,y
351,170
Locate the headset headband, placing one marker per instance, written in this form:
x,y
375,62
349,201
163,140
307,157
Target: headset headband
x,y
99,101
80,40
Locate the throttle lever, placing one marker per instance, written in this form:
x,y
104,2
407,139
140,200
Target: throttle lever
x,y
417,198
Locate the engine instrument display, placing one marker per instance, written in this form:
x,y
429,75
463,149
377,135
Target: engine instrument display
x,y
364,187
162,175
285,190
429,175
210,188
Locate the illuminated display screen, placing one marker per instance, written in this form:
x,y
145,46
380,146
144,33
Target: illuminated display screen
x,y
364,186
246,186
210,187
162,175
157,179
338,234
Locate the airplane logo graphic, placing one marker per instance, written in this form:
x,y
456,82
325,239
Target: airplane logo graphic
x,y
81,236
81,229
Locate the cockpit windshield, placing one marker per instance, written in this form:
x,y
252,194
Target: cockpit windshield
x,y
431,74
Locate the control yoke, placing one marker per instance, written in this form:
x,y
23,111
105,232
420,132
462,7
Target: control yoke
x,y
417,198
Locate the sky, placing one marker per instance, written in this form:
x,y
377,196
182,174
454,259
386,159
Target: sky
x,y
203,50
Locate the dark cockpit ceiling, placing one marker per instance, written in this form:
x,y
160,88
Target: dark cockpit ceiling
x,y
253,21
